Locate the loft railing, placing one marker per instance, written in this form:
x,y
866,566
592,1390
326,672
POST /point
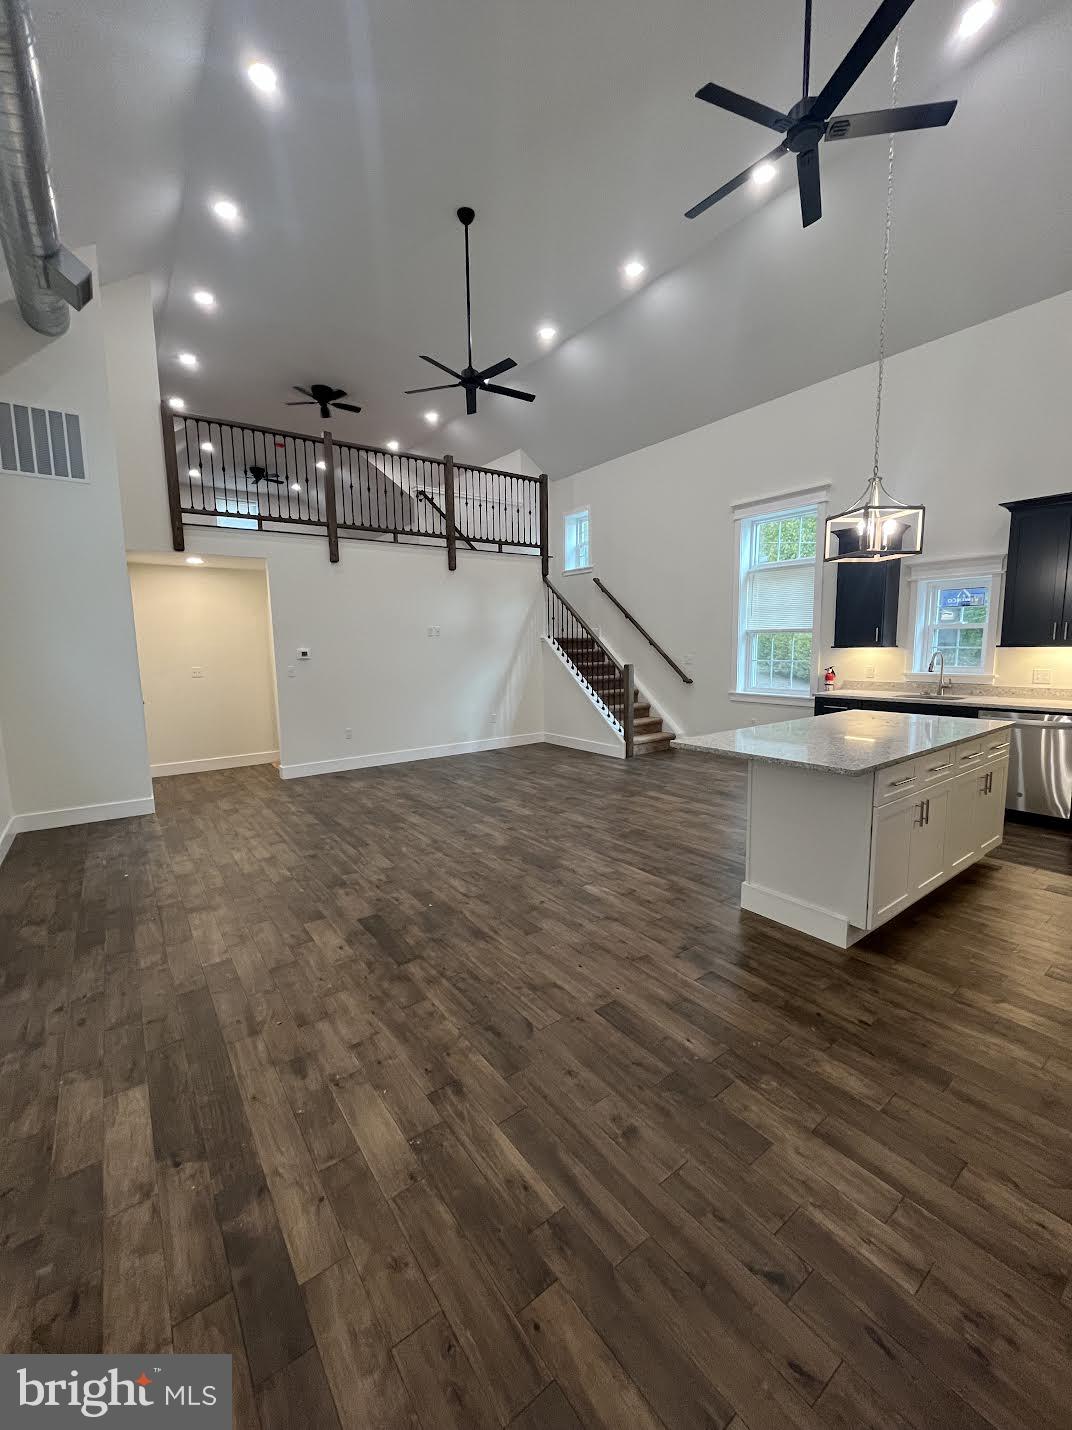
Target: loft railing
x,y
240,475
648,637
609,683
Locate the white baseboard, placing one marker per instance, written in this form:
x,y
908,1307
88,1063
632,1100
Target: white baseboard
x,y
219,762
820,923
7,838
591,747
81,814
399,757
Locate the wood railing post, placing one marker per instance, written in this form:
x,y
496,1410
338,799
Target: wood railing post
x,y
329,497
628,710
171,475
545,549
448,509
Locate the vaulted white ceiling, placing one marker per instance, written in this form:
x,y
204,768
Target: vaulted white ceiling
x,y
569,125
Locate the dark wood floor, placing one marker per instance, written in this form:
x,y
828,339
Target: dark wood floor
x,y
461,1094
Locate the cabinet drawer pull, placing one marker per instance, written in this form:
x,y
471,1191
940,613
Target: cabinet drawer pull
x,y
975,756
1066,630
908,780
1055,630
995,748
937,769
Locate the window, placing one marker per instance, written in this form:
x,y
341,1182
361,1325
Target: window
x,y
777,602
954,615
578,554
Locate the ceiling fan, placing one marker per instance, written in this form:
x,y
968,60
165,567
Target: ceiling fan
x,y
812,119
262,474
469,378
320,394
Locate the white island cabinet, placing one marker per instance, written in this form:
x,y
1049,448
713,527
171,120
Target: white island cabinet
x,y
856,815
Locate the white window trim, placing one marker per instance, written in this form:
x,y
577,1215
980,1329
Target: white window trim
x,y
956,570
743,511
585,510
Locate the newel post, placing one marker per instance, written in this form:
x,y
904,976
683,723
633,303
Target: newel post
x,y
545,549
329,497
628,710
171,477
448,512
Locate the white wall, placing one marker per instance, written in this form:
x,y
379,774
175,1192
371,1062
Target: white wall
x,y
70,700
213,619
126,311
970,420
570,716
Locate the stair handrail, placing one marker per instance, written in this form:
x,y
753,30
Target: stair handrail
x,y
422,495
647,635
583,624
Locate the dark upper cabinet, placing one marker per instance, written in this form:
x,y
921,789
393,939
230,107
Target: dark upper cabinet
x,y
1038,577
866,609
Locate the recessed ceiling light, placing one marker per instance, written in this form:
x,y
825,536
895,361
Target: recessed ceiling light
x,y
204,299
431,418
226,210
262,76
195,561
762,174
207,447
188,359
176,404
392,445
321,466
547,333
634,269
975,17
194,473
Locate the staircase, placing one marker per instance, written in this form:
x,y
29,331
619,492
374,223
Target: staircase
x,y
603,677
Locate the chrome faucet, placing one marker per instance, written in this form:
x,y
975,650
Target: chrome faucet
x,y
939,656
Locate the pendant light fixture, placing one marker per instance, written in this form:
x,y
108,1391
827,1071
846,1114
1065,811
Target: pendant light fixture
x,y
878,527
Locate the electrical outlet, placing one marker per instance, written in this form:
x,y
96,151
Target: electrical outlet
x,y
196,673
348,734
869,672
290,671
433,632
1041,675
494,716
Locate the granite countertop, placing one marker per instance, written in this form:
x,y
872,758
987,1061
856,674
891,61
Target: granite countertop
x,y
992,700
850,742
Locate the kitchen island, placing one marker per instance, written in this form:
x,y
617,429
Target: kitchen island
x,y
854,816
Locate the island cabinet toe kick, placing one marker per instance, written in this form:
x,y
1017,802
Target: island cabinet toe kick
x,y
837,855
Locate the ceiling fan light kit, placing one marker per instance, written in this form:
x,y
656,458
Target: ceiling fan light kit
x,y
469,378
811,119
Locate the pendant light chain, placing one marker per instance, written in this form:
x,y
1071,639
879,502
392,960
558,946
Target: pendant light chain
x,y
895,65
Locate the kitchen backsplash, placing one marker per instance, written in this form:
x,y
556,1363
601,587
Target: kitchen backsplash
x,y
1042,693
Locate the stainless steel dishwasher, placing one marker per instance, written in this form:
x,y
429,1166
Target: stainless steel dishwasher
x,y
1040,763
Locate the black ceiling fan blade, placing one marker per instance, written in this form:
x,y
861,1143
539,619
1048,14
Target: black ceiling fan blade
x,y
346,406
508,392
745,174
336,392
304,390
811,202
746,108
439,387
871,39
470,401
441,365
310,403
504,366
891,121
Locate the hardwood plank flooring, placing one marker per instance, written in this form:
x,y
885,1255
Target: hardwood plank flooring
x,y
462,1094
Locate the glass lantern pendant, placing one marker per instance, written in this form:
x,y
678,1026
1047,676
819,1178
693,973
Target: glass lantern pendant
x,y
876,528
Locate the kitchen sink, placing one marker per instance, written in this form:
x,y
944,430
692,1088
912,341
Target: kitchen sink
x,y
937,699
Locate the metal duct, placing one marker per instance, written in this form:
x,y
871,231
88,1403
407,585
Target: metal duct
x,y
47,278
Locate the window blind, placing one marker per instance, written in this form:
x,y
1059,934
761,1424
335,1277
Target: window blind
x,y
780,598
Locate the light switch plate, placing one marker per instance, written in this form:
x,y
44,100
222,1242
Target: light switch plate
x,y
1041,675
196,673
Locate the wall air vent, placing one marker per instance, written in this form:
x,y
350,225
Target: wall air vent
x,y
38,442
